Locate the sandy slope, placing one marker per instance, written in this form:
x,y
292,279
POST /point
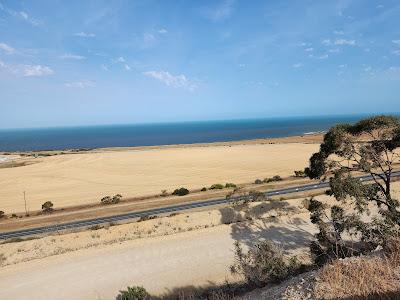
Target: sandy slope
x,y
191,257
85,178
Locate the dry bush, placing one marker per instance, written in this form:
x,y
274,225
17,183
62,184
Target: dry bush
x,y
370,277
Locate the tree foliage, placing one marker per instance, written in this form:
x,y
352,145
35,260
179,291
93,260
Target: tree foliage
x,y
367,147
133,293
47,206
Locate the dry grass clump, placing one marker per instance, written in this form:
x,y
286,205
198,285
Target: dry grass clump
x,y
370,277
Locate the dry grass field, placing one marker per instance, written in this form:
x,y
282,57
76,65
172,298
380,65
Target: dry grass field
x,y
75,179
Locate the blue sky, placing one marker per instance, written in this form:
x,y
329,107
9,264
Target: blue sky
x,y
104,62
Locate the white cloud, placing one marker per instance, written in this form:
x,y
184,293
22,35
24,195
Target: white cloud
x,y
334,50
222,11
325,56
27,18
121,59
309,49
326,42
298,65
338,32
80,84
35,70
6,48
396,52
72,56
177,81
85,34
339,42
104,67
127,67
345,42
397,42
162,31
380,6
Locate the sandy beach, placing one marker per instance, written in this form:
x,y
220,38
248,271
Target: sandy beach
x,y
82,178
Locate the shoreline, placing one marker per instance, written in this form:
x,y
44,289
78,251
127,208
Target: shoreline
x,y
307,138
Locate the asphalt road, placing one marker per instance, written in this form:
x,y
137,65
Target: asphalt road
x,y
157,211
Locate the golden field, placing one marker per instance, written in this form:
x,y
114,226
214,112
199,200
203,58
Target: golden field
x,y
83,178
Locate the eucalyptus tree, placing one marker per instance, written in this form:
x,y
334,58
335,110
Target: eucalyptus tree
x,y
368,147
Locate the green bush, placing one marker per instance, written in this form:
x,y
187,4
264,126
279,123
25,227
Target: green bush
x,y
47,206
217,186
258,181
181,191
203,189
273,179
133,293
108,200
263,264
230,185
299,173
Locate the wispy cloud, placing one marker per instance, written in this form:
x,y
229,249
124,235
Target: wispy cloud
x,y
85,34
309,49
397,42
29,19
345,42
324,56
220,12
176,81
297,65
120,59
80,84
127,67
72,56
36,70
162,31
7,48
338,32
338,42
21,15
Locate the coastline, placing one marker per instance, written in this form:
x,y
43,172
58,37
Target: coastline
x,y
311,138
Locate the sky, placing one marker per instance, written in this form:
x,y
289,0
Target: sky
x,y
70,63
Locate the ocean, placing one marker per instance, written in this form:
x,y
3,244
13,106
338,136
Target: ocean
x,y
88,137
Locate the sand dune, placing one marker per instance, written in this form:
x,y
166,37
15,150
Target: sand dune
x,y
74,179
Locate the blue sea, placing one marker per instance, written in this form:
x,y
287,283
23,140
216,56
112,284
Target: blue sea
x,y
61,138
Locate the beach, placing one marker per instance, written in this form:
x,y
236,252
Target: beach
x,y
85,177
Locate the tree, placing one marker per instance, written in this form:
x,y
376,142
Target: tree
x,y
368,147
180,192
133,293
47,207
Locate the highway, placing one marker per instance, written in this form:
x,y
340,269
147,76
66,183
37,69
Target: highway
x,y
162,210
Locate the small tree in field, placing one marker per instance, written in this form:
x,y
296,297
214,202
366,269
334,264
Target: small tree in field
x,y
133,293
368,147
47,207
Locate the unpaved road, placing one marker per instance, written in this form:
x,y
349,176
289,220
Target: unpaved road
x,y
177,260
189,258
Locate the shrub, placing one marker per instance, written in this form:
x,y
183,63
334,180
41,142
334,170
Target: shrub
x,y
181,192
273,179
230,185
164,193
47,207
299,173
277,178
146,217
263,264
14,216
2,215
258,181
108,200
217,186
203,189
133,293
